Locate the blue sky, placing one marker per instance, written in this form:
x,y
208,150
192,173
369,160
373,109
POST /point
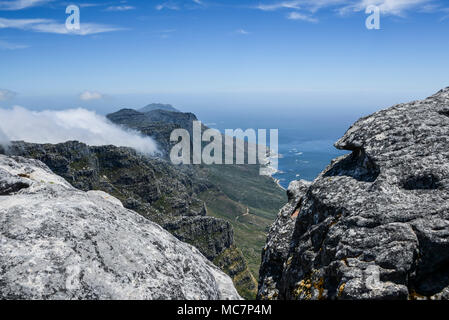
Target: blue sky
x,y
217,54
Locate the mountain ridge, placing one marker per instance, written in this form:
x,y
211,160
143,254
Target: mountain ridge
x,y
157,106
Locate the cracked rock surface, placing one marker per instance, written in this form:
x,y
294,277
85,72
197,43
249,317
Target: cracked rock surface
x,y
57,242
375,223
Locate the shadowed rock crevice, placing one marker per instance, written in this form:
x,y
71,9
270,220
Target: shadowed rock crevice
x,y
10,183
9,189
444,112
431,275
357,165
432,283
426,181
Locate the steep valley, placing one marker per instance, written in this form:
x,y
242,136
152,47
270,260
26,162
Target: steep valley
x,y
231,190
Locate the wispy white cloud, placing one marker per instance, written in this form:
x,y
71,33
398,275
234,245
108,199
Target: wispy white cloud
x,y
12,5
388,7
162,33
91,95
306,5
51,26
181,5
21,23
167,5
85,28
306,9
430,8
242,32
446,12
6,45
6,94
74,124
88,5
300,9
279,5
120,8
300,16
165,34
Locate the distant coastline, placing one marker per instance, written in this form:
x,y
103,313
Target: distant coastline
x,y
278,182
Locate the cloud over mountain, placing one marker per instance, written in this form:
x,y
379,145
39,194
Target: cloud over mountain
x,y
73,124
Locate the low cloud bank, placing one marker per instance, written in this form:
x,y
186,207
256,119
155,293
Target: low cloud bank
x,y
4,141
91,95
6,94
74,124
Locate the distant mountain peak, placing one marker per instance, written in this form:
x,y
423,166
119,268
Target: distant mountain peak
x,y
158,106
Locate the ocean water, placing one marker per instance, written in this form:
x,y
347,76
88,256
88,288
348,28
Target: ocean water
x,y
305,141
303,159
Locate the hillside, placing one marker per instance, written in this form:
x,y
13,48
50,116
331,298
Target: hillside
x,y
247,201
232,190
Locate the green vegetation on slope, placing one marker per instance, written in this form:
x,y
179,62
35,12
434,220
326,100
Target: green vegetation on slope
x,y
232,262
250,202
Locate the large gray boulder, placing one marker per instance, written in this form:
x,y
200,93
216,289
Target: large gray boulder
x,y
153,187
57,242
375,223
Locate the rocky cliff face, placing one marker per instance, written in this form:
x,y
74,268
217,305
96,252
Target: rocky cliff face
x,y
58,242
375,223
157,123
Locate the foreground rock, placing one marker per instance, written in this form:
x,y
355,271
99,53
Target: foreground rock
x,y
150,186
375,223
57,242
279,237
